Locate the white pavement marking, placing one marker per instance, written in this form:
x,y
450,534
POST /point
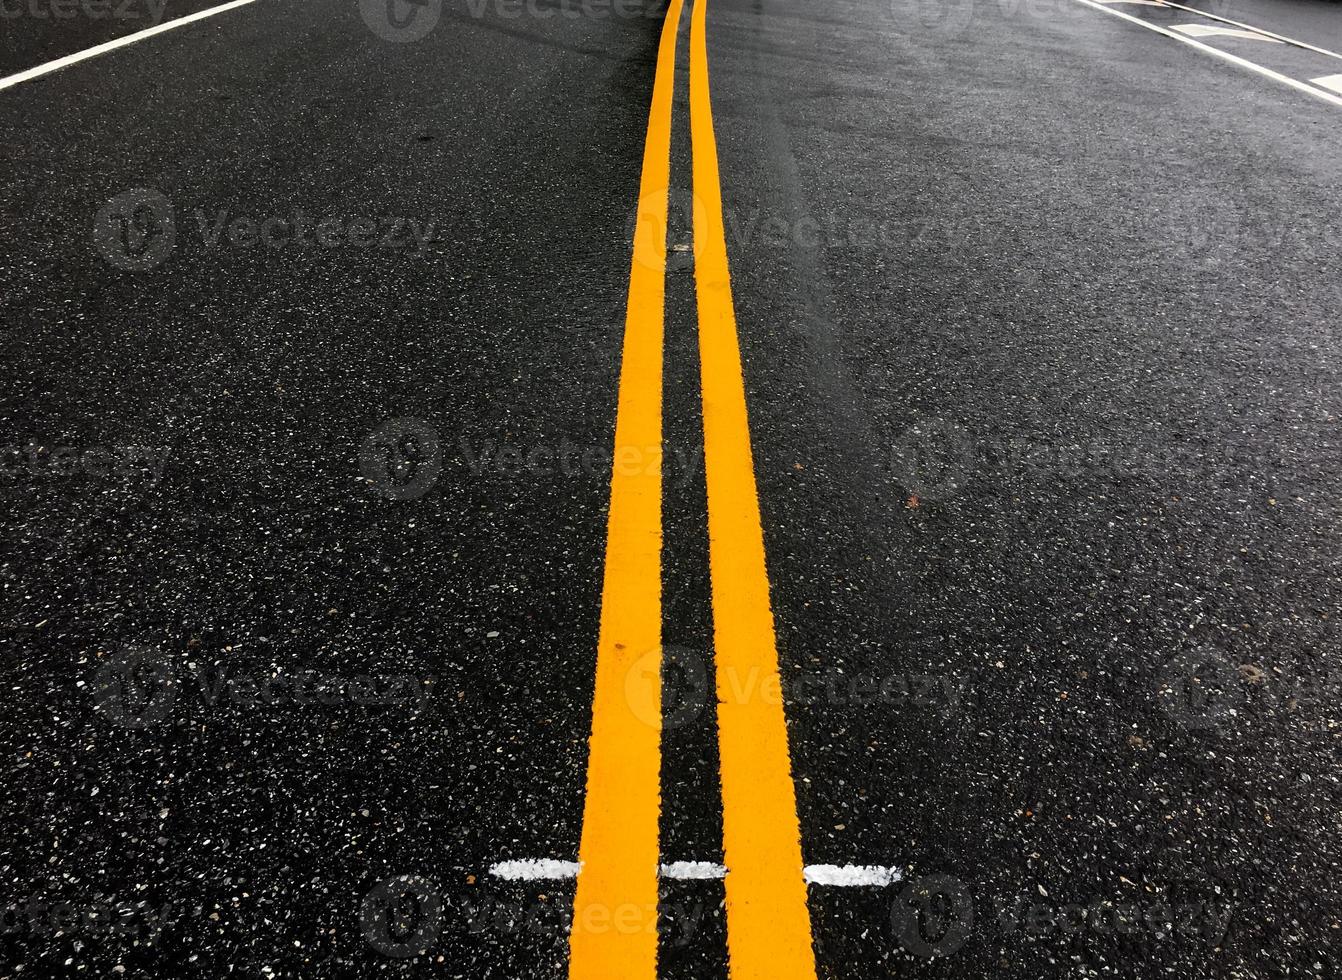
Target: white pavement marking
x,y
1142,3
851,875
1206,30
120,42
1280,37
1333,82
1234,59
541,870
833,875
693,870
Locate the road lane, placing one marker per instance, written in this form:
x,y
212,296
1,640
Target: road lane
x,y
1035,314
262,378
314,371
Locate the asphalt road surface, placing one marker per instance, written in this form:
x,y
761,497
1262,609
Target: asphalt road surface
x,y
611,489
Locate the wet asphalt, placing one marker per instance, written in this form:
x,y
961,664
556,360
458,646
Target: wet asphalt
x,y
311,348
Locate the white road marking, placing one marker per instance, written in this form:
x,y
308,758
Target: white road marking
x,y
1206,30
851,875
540,870
1279,37
1333,82
832,875
693,870
120,42
1141,3
1234,59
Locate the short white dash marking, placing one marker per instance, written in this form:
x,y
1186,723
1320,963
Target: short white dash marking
x,y
1333,82
1206,30
693,870
851,875
1140,3
112,45
832,875
537,870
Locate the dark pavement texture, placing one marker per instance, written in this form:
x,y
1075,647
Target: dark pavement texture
x,y
33,32
1092,337
1037,312
256,374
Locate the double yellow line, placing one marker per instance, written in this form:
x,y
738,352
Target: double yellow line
x,y
614,932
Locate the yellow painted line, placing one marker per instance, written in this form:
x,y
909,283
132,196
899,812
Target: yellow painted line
x,y
614,931
768,923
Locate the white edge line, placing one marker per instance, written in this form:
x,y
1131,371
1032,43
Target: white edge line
x,y
1234,59
834,875
112,45
1280,37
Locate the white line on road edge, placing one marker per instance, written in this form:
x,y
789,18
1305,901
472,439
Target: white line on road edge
x,y
1234,59
120,42
833,875
1279,37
